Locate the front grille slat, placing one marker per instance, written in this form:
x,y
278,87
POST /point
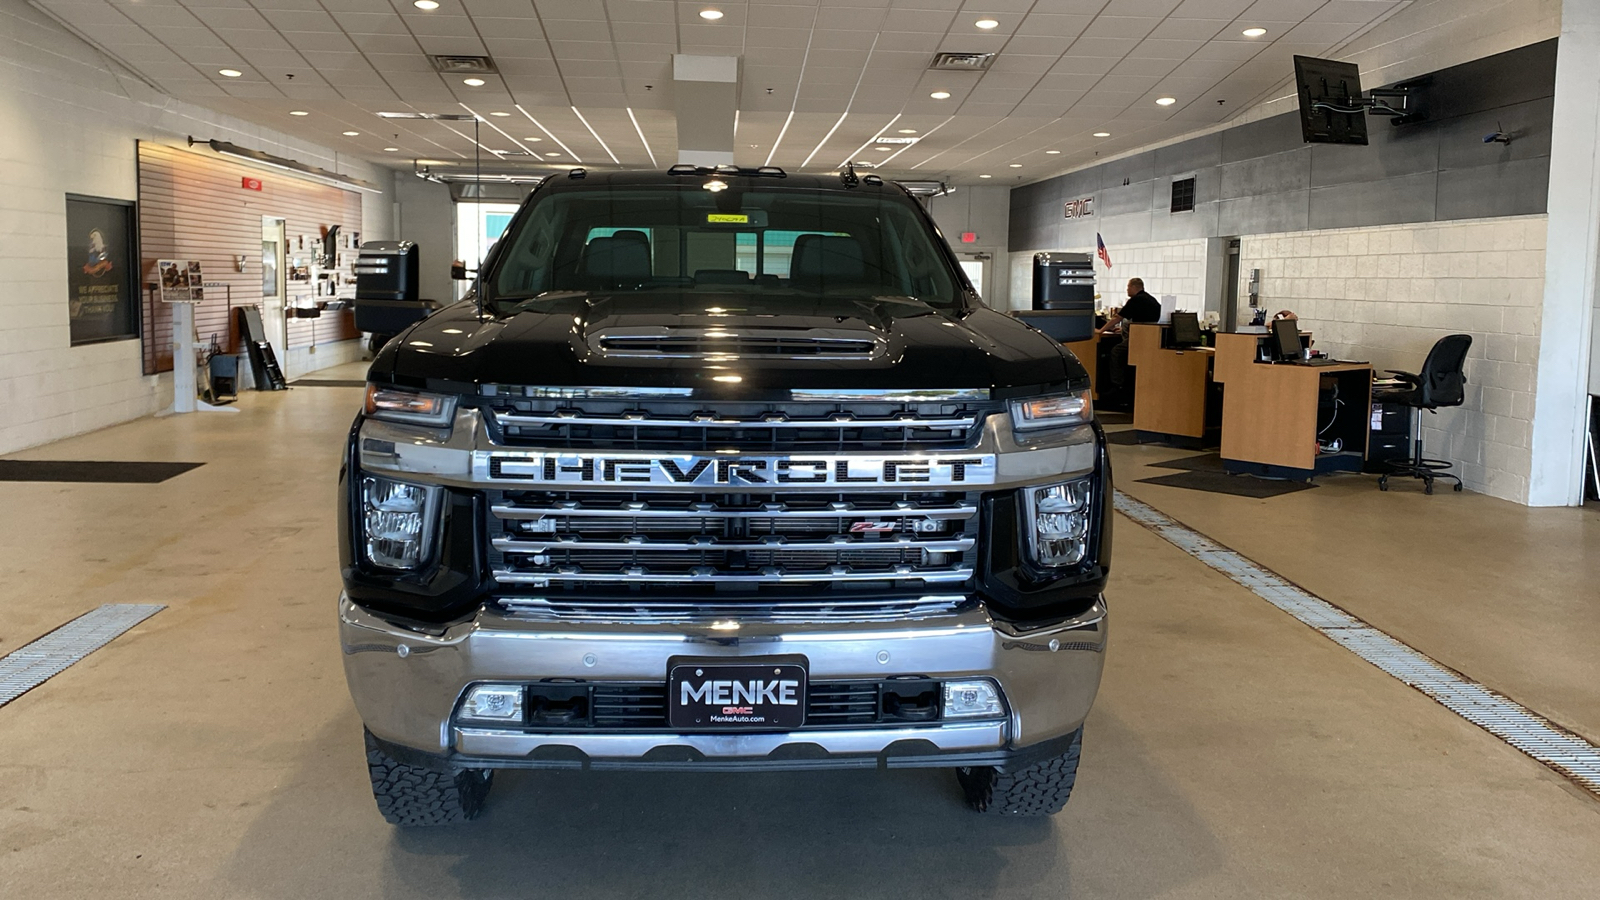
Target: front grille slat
x,y
897,425
594,540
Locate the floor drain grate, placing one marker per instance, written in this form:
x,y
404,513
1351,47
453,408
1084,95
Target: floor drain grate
x,y
33,664
1504,718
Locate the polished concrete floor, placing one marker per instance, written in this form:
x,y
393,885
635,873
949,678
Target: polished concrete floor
x,y
1234,753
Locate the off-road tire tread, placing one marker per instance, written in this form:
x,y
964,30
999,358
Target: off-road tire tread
x,y
1038,789
412,796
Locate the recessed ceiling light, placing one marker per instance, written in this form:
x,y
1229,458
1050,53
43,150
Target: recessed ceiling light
x,y
711,15
1254,32
985,176
908,131
229,73
426,4
1102,134
351,133
1166,101
1016,165
499,113
883,149
986,24
940,95
533,140
298,112
1052,152
472,82
552,155
391,149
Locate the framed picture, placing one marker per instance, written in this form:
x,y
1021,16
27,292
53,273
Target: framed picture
x,y
102,280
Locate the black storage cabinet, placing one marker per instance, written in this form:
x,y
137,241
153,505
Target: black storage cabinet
x,y
388,288
1063,296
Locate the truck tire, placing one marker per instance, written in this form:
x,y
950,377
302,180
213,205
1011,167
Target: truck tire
x,y
1037,789
412,796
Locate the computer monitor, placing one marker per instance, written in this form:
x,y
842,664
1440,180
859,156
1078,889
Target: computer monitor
x,y
1286,339
1185,329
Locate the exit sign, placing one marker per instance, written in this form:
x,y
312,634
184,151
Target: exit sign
x,y
969,237
250,184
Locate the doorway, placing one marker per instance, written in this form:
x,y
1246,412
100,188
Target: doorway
x,y
977,271
275,287
1230,288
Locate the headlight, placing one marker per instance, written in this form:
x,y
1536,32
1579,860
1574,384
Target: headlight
x,y
410,407
397,521
1058,522
1053,411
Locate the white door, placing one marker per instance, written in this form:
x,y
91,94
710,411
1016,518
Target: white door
x,y
975,270
275,288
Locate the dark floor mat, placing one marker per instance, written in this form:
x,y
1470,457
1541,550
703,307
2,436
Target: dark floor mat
x,y
1107,417
1223,483
1205,462
92,471
326,382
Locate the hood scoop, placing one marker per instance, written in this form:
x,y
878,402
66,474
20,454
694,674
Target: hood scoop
x,y
729,344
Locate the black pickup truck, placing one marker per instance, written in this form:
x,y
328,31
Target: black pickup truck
x,y
723,469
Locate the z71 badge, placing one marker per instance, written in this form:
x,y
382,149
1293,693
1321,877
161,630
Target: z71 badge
x,y
649,469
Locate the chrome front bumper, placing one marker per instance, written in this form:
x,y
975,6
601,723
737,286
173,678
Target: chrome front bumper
x,y
407,682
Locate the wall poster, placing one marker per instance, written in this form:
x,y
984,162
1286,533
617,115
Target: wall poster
x,y
102,282
181,281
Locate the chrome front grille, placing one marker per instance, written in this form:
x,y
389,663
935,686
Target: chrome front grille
x,y
621,424
825,541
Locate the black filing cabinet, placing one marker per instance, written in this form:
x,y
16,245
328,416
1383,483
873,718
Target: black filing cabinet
x,y
1390,439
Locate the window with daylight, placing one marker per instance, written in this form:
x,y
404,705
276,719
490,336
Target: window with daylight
x,y
1183,194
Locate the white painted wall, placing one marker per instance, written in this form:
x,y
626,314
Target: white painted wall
x,y
71,122
985,211
1386,294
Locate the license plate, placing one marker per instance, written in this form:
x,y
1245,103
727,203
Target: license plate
x,y
752,695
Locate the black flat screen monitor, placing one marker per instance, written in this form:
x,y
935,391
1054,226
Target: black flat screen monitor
x,y
1336,86
1286,339
1185,329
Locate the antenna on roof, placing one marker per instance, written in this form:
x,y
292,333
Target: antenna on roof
x,y
848,175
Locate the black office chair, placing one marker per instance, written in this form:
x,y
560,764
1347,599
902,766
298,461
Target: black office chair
x,y
1441,383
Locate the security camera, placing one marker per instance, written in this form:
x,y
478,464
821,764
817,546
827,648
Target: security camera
x,y
1499,137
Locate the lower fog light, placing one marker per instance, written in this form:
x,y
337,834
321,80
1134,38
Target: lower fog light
x,y
971,700
493,703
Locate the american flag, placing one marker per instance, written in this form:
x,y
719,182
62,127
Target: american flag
x,y
1105,256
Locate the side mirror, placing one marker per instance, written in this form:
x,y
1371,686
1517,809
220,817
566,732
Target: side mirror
x,y
458,270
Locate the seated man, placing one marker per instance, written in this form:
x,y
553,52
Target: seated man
x,y
1141,309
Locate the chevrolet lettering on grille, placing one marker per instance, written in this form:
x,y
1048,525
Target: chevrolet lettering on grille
x,y
624,469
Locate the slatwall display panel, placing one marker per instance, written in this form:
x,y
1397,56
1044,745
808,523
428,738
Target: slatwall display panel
x,y
194,206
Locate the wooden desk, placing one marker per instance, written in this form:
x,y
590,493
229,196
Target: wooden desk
x,y
1088,353
1270,413
1171,388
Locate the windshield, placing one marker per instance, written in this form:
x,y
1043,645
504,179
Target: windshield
x,y
710,236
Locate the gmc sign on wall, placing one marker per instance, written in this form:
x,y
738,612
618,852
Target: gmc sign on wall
x,y
1082,208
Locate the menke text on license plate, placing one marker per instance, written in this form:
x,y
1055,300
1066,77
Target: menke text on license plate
x,y
749,696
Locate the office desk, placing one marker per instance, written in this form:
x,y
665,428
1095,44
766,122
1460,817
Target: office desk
x,y
1088,353
1271,414
1172,388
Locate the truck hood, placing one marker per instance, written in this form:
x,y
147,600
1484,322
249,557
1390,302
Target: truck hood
x,y
571,339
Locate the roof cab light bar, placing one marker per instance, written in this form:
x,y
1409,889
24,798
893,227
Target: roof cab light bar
x,y
758,172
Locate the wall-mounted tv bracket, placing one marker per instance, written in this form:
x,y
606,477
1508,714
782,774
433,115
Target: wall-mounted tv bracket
x,y
1395,102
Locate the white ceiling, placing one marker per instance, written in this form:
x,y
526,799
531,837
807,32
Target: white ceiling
x,y
836,72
